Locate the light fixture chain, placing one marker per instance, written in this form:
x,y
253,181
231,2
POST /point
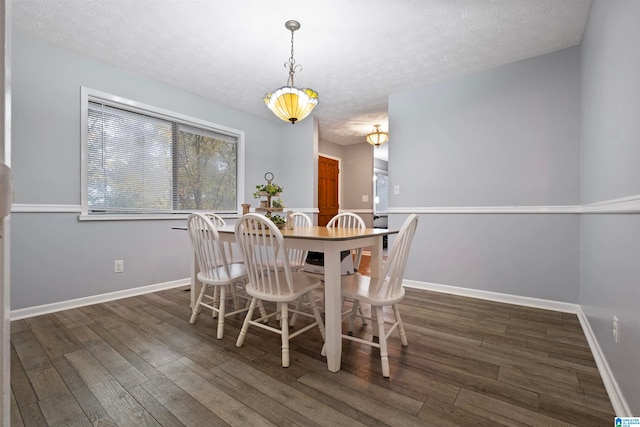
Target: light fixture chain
x,y
291,64
291,60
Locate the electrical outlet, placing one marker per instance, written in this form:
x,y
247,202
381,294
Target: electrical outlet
x,y
396,189
118,266
616,329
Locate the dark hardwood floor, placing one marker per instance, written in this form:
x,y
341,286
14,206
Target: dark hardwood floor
x,y
138,362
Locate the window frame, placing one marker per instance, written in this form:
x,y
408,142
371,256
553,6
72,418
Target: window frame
x,y
88,94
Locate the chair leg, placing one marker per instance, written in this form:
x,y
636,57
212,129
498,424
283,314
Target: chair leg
x,y
221,307
316,314
263,312
196,306
234,294
352,317
245,324
384,354
284,326
361,311
295,315
403,335
374,321
214,313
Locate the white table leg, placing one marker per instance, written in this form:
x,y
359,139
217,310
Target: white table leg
x,y
376,258
332,307
376,267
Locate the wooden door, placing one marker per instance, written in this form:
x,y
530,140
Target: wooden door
x,y
327,189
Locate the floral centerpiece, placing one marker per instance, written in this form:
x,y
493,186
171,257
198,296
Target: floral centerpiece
x,y
277,220
270,189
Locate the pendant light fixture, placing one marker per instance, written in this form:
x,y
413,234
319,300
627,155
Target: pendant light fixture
x,y
290,103
377,137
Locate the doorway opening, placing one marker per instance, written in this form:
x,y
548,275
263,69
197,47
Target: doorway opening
x,y
328,184
380,200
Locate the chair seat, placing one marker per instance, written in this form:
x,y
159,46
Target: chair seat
x,y
359,287
302,283
237,271
294,265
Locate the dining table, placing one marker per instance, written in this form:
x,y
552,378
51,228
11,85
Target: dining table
x,y
330,241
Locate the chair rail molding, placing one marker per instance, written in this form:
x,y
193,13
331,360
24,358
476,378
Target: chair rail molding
x,y
569,209
623,205
44,208
630,204
356,211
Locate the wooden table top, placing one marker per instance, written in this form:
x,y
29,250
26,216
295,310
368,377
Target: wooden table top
x,y
320,233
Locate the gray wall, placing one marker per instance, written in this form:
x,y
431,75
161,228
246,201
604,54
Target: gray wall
x,y
357,169
55,257
330,149
504,137
297,165
610,243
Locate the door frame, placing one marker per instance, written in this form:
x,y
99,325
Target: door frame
x,y
5,157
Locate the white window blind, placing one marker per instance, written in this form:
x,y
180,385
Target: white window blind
x,y
146,163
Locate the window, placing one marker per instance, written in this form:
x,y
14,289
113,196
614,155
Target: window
x,y
143,160
381,192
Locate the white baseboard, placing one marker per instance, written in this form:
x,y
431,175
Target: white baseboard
x,y
620,406
495,296
619,403
24,313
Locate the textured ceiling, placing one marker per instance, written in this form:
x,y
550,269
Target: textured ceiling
x,y
354,53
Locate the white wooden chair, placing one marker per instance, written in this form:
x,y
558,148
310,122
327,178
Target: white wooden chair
x,y
263,248
385,291
214,271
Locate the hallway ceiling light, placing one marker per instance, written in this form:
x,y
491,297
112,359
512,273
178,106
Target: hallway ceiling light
x,y
290,103
377,137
